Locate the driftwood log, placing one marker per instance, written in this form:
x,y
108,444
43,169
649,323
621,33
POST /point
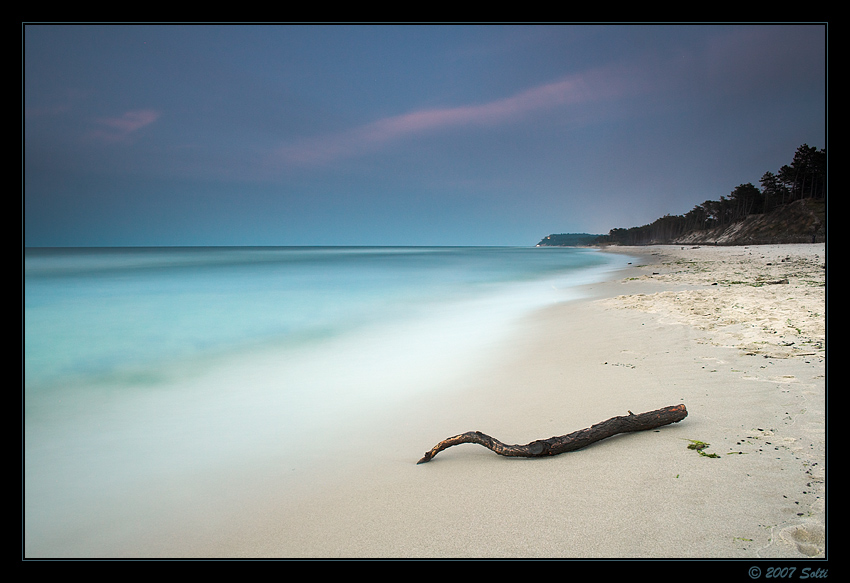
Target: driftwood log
x,y
565,443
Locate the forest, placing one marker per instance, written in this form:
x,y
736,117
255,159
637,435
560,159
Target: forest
x,y
803,178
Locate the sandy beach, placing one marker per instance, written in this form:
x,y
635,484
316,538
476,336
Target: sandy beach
x,y
712,328
367,293
736,334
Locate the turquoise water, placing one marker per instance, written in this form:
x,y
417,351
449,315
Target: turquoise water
x,y
146,367
94,315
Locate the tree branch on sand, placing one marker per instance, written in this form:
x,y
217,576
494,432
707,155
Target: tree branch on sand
x,y
566,443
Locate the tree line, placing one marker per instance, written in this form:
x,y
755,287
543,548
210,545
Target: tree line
x,y
804,177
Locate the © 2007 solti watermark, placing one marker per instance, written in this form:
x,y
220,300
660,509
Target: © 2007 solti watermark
x,y
788,573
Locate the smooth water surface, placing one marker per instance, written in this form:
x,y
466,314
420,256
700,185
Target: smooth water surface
x,y
149,369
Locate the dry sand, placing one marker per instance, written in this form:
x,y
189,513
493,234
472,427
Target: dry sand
x,y
704,326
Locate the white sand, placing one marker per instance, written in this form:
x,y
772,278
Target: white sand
x,y
748,361
767,300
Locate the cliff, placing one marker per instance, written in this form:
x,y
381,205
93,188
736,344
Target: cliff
x,y
747,216
802,221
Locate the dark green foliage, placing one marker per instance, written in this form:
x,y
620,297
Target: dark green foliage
x,y
568,240
804,178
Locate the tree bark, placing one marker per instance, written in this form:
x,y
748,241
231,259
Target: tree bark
x,y
565,443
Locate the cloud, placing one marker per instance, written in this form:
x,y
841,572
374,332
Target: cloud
x,y
118,129
575,89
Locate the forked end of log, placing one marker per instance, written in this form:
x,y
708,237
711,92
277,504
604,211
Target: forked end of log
x,y
565,443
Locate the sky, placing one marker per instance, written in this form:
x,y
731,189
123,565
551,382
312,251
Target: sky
x,y
147,135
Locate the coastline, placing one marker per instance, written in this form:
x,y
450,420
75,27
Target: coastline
x,y
643,495
643,340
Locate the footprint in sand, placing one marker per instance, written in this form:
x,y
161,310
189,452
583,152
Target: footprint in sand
x,y
810,539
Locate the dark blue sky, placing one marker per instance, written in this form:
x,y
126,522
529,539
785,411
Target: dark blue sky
x,y
401,135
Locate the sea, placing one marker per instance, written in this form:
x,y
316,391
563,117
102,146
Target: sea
x,y
149,372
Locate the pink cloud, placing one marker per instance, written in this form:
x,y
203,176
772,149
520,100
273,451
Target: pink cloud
x,y
571,90
116,129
